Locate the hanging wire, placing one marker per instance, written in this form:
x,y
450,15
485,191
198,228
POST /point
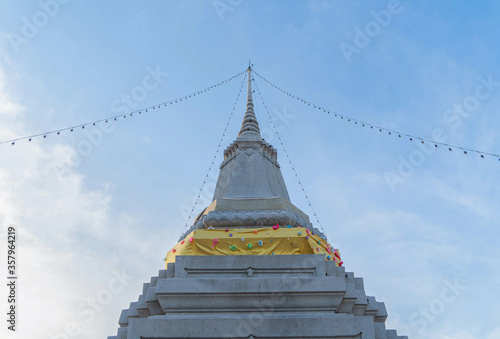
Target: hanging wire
x,y
215,155
379,128
130,114
289,160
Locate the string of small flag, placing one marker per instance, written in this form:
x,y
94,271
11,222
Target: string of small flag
x,y
361,123
44,135
288,158
214,158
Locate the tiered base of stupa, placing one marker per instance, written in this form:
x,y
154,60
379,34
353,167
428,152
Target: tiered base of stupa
x,y
254,296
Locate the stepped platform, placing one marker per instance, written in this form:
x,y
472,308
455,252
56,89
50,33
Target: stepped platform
x,y
254,296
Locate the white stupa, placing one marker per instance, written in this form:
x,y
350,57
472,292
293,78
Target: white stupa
x,y
253,266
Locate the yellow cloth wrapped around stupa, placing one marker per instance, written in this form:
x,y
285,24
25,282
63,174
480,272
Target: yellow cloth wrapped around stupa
x,y
276,240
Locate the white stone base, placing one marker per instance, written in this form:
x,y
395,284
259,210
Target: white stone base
x,y
282,296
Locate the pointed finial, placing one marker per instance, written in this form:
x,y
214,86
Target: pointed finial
x,y
250,124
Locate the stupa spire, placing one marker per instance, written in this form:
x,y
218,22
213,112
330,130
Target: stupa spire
x,y
250,125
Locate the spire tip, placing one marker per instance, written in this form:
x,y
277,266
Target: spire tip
x,y
250,124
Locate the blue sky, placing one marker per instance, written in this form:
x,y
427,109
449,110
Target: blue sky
x,y
411,221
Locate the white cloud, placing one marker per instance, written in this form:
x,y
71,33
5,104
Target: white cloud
x,y
65,236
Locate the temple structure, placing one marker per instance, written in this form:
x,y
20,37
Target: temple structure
x,y
253,266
